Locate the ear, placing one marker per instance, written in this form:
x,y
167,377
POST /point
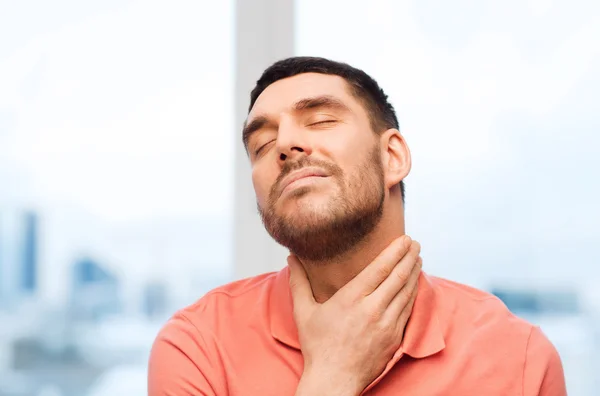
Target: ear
x,y
395,156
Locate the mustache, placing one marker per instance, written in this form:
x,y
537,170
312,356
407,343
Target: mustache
x,y
303,162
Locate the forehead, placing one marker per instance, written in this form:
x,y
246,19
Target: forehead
x,y
282,94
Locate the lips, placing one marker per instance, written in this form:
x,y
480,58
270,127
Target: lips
x,y
301,174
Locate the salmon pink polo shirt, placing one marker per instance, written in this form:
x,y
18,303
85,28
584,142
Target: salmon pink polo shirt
x,y
241,340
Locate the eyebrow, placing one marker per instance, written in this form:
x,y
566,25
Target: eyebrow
x,y
323,101
257,123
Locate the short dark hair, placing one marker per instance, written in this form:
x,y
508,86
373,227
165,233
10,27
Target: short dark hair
x,y
382,115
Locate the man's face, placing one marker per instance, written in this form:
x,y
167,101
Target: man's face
x,y
316,165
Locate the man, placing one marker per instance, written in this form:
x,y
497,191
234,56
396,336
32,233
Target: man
x,y
352,313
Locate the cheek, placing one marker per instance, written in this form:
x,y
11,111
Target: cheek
x,y
262,182
365,171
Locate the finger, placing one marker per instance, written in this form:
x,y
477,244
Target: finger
x,y
401,305
302,295
407,311
399,277
371,277
405,314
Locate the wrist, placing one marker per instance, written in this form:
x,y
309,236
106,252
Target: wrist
x,y
321,382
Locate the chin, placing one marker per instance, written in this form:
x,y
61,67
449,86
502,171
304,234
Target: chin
x,y
309,217
305,208
305,198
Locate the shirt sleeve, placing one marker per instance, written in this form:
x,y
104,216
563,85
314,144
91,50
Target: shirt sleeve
x,y
543,372
181,364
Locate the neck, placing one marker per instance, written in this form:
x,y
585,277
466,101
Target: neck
x,y
326,278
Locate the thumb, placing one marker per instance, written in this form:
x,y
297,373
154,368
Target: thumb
x,y
302,295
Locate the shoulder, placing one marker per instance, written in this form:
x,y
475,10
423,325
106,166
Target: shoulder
x,y
467,296
223,306
543,373
186,354
239,295
461,291
475,312
484,320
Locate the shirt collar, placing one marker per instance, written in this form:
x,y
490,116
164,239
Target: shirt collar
x,y
423,335
283,327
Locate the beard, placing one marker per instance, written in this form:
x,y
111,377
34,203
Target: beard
x,y
318,233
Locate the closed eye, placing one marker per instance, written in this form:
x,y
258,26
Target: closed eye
x,y
258,150
324,122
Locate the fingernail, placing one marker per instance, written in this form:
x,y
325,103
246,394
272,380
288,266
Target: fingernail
x,y
407,241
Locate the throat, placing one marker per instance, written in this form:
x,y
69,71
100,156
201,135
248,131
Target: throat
x,y
328,276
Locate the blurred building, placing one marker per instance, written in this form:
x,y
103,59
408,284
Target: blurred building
x,y
532,302
95,291
29,265
154,304
19,245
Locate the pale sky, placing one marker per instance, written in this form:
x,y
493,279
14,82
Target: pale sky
x,y
126,111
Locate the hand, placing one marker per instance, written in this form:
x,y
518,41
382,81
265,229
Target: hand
x,y
348,340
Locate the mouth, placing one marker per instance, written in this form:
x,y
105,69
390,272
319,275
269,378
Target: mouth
x,y
301,174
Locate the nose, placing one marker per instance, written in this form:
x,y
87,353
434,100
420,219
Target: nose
x,y
292,141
